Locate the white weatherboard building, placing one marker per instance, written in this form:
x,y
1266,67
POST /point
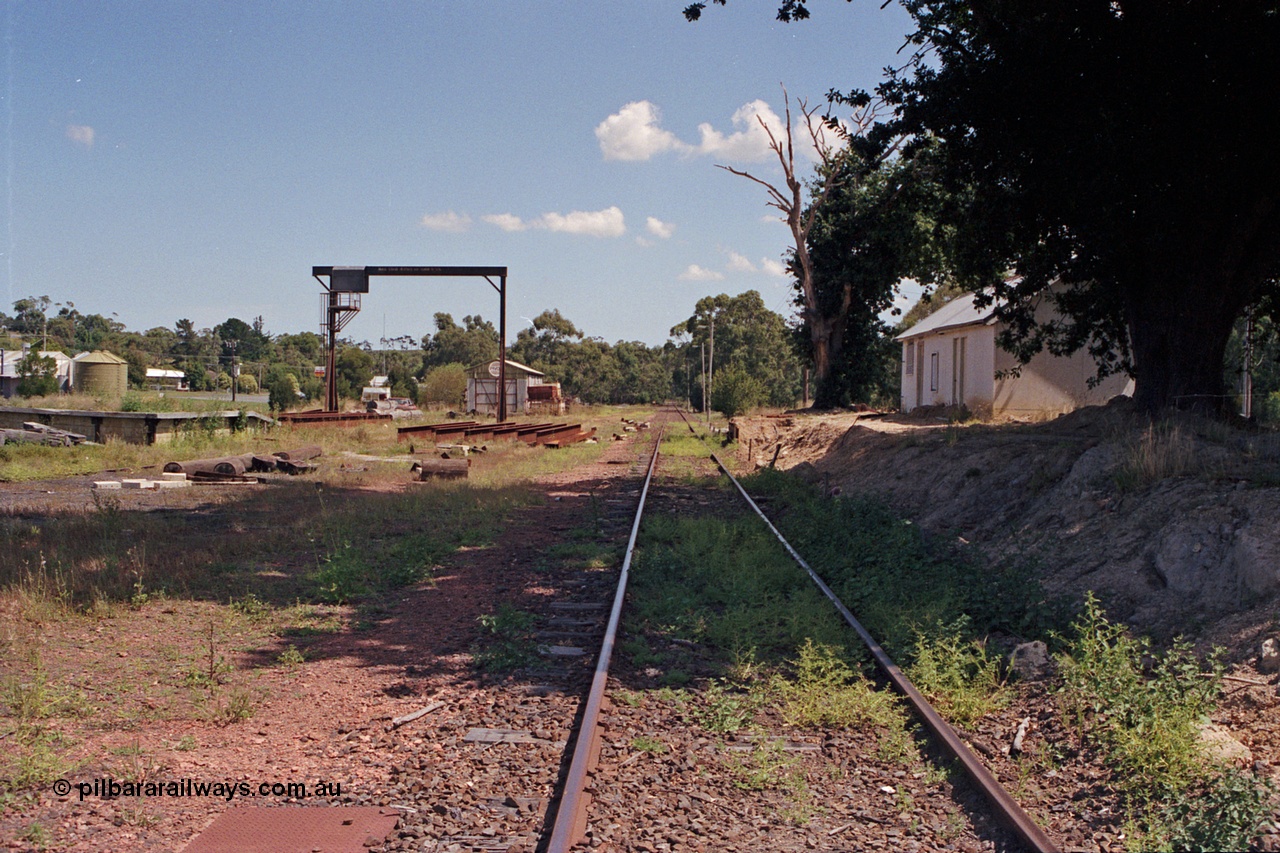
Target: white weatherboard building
x,y
9,376
950,358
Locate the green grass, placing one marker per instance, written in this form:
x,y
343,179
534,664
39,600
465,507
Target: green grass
x,y
898,581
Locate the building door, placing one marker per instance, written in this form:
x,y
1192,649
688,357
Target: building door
x,y
957,371
920,373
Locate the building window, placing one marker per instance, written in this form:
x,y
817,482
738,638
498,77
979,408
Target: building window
x,y
933,371
910,358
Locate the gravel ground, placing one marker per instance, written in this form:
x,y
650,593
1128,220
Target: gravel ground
x,y
479,770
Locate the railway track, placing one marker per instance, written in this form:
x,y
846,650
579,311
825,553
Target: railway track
x,y
563,756
573,813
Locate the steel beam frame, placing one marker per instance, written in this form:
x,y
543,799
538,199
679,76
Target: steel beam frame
x,y
338,314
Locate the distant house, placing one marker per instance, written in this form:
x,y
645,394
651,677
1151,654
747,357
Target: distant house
x,y
482,387
950,358
9,376
158,378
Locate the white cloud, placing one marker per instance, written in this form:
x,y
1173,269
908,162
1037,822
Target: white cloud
x,y
505,221
739,263
633,133
450,222
749,142
593,223
596,223
658,228
697,273
81,133
772,267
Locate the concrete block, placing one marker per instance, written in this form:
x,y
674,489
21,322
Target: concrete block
x,y
171,484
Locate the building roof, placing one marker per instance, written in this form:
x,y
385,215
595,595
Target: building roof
x,y
955,314
98,357
158,373
483,367
9,361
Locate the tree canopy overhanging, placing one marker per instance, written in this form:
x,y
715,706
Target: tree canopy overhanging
x,y
1118,148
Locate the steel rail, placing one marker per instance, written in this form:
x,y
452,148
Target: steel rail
x,y
1013,815
571,814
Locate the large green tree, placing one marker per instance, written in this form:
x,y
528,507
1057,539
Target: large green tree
x,y
472,343
749,338
1121,148
875,225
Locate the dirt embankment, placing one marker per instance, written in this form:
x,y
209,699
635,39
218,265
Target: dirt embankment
x,y
1191,544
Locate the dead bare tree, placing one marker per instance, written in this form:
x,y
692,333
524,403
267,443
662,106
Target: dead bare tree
x,y
824,329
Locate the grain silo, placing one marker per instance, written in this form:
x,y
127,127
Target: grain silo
x,y
100,373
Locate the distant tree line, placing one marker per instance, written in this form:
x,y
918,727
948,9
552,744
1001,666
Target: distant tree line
x,y
752,359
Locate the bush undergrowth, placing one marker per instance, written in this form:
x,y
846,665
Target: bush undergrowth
x,y
1144,711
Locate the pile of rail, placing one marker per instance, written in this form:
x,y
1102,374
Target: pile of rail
x,y
235,469
38,433
317,416
543,434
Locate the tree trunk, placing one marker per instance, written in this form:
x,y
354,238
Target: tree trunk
x,y
1179,340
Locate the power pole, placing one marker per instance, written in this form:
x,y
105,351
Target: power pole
x,y
703,349
231,345
711,366
1246,402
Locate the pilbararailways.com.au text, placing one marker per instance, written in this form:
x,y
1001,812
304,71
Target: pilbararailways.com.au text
x,y
110,789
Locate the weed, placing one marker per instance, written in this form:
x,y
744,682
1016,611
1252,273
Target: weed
x,y
637,648
584,555
1224,812
251,607
676,678
511,646
31,699
863,550
725,711
644,743
958,676
824,692
630,698
37,836
1144,711
185,744
240,705
291,657
37,756
211,669
1149,723
1161,451
768,766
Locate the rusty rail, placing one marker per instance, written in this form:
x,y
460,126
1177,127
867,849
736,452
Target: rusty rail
x,y
1007,808
571,815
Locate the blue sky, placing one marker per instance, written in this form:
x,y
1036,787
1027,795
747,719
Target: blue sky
x,y
188,159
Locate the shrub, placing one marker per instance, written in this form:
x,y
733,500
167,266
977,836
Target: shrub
x,y
446,385
1144,711
735,392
